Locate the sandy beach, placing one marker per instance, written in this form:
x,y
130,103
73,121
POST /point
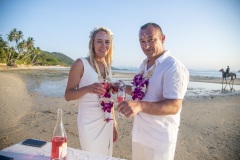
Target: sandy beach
x,y
209,130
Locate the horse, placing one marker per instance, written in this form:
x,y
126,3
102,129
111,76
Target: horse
x,y
225,76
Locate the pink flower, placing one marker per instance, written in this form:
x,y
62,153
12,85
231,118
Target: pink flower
x,y
108,119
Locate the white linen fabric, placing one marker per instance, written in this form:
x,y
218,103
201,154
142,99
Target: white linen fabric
x,y
169,81
143,152
95,134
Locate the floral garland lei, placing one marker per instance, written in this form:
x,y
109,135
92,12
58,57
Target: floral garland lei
x,y
105,100
140,84
107,103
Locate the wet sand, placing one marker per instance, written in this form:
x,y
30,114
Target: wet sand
x,y
210,126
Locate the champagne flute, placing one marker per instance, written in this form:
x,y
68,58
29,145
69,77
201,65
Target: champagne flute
x,y
121,96
105,84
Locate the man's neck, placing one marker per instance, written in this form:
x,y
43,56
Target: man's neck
x,y
151,60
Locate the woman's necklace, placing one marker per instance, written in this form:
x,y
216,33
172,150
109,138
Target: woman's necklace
x,y
105,100
140,83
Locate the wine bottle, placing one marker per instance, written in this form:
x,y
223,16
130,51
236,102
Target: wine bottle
x,y
59,139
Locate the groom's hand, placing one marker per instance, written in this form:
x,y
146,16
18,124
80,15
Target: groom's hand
x,y
129,108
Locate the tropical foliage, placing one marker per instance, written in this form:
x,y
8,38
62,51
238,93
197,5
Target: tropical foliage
x,y
16,51
54,58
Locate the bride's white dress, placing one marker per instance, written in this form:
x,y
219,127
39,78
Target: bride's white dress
x,y
95,134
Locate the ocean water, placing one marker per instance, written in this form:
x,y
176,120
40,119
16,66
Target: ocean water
x,y
202,73
209,73
57,89
201,89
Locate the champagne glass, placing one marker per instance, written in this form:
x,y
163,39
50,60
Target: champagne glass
x,y
115,85
105,83
121,96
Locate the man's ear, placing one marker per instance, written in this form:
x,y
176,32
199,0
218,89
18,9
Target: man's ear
x,y
163,38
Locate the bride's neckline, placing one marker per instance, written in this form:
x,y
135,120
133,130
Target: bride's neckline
x,y
100,77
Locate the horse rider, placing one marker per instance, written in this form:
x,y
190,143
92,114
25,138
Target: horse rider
x,y
227,71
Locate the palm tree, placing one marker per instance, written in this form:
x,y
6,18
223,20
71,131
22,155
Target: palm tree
x,y
36,52
30,43
15,36
22,46
19,36
3,49
12,36
29,47
9,56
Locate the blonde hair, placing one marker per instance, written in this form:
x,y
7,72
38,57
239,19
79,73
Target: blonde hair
x,y
109,56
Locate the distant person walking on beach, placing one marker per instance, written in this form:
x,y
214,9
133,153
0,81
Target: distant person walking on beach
x,y
227,71
96,121
158,91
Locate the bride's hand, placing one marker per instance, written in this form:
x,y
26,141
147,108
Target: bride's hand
x,y
114,87
97,88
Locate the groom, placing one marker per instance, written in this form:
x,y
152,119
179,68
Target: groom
x,y
156,111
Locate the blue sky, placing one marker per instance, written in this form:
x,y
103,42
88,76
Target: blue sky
x,y
203,34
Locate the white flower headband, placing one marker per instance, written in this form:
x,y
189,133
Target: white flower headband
x,y
98,28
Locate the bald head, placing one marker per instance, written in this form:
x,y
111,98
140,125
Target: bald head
x,y
156,26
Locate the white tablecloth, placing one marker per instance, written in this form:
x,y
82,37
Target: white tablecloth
x,y
23,152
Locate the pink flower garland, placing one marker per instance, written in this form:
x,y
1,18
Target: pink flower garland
x,y
140,86
107,103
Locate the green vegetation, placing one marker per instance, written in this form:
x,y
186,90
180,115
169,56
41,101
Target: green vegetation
x,y
53,59
22,51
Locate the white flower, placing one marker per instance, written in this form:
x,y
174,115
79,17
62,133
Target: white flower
x,y
97,28
107,115
144,89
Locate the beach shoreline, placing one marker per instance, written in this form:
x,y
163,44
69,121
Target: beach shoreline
x,y
123,74
209,125
118,73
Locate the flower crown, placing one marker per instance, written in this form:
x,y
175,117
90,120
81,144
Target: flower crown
x,y
98,28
